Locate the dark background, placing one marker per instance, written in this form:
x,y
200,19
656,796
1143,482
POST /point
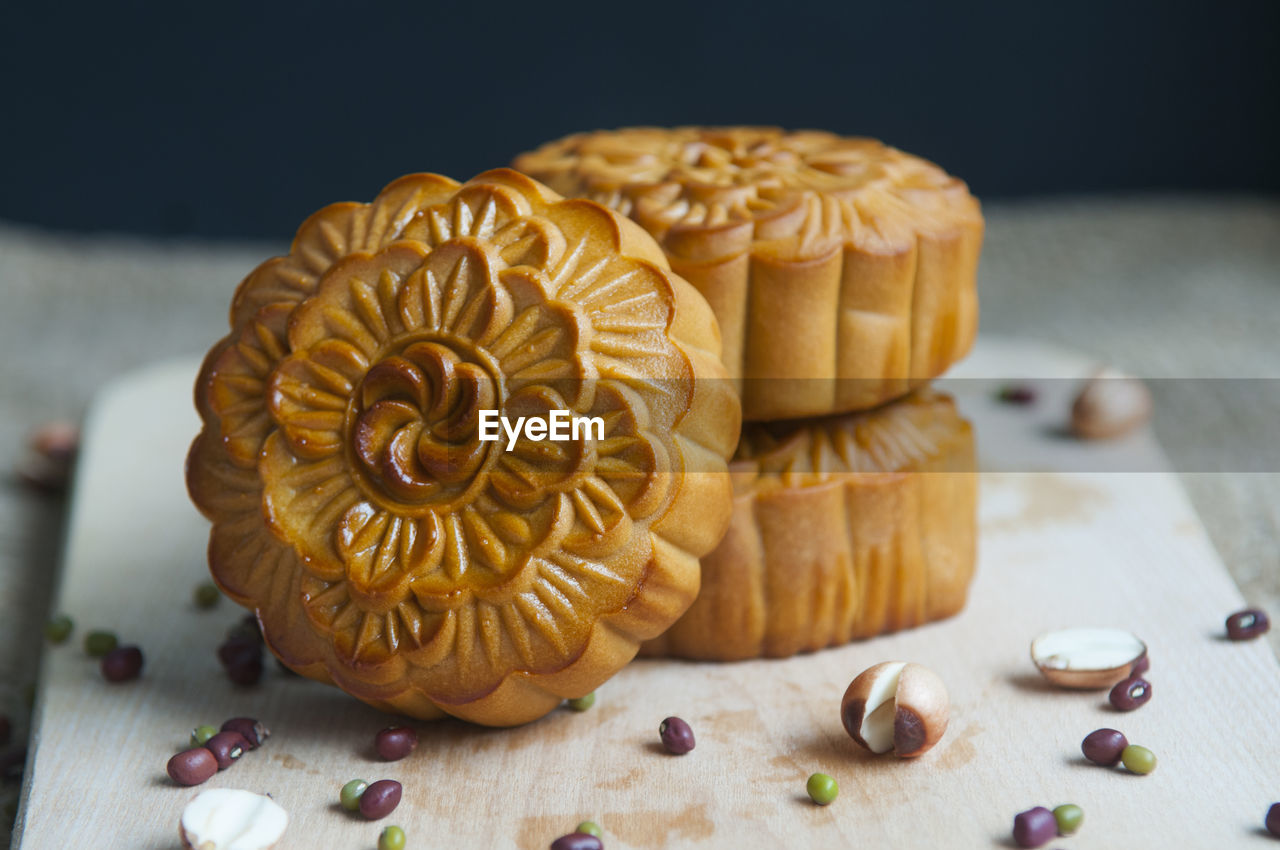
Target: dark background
x,y
222,120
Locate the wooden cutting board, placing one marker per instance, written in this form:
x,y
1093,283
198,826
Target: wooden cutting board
x,y
1057,549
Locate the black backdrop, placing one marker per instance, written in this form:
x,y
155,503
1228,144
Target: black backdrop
x,y
222,120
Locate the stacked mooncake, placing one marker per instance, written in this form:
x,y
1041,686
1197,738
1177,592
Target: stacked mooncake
x,y
843,276
389,545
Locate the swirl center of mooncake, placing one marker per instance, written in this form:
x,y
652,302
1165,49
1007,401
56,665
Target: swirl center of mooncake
x,y
414,421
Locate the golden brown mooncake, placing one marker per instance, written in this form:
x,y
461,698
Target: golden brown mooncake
x,y
382,544
843,528
843,271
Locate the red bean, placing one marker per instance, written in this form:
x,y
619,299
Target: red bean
x,y
380,799
577,841
1248,624
253,732
247,671
241,652
1104,746
395,742
1130,694
232,648
241,657
192,767
1017,394
226,748
122,664
246,628
1273,820
1034,827
676,735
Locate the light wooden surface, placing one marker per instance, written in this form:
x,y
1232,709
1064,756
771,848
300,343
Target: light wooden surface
x,y
1163,286
1056,550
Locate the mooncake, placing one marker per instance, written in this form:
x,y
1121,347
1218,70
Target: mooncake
x,y
843,528
389,547
843,271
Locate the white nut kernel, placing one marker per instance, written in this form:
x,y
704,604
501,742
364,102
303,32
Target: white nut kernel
x,y
1109,405
1087,658
230,819
896,706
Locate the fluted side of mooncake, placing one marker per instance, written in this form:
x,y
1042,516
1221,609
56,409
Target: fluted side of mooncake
x,y
843,528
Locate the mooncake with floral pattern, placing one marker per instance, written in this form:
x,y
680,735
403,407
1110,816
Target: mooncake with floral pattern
x,y
383,544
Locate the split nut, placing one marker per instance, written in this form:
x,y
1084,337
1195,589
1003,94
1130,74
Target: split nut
x,y
897,707
1088,658
226,818
1110,405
